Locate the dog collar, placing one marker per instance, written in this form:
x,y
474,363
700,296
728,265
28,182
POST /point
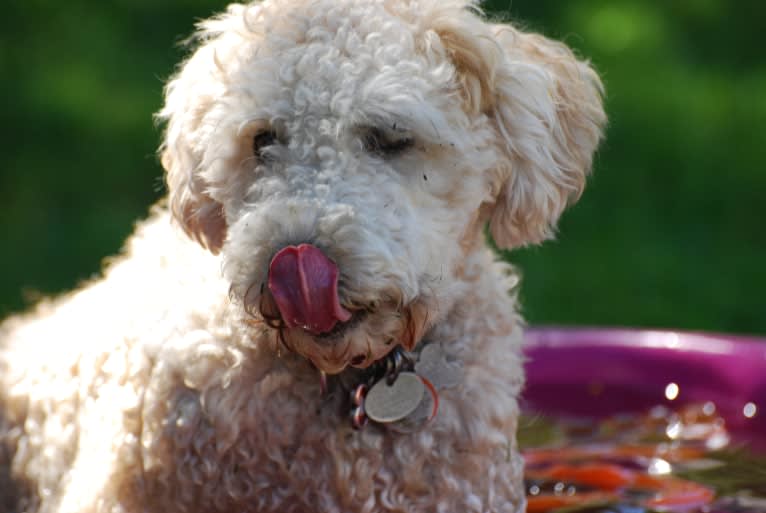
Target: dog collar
x,y
399,392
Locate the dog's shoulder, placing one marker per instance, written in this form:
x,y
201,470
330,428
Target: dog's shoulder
x,y
155,285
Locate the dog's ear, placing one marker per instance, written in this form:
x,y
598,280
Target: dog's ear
x,y
201,217
546,108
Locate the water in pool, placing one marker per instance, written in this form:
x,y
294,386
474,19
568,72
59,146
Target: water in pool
x,y
681,460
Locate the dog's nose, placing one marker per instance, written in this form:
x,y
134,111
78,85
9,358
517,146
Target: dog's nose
x,y
304,284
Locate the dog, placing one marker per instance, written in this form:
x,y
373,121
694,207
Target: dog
x,y
312,320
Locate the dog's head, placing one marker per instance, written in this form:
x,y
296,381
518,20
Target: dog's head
x,y
344,155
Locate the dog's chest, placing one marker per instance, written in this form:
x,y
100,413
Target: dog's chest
x,y
258,445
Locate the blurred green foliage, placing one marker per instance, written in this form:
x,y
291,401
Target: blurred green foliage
x,y
669,233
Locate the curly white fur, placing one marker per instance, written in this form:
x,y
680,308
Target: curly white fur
x,y
160,388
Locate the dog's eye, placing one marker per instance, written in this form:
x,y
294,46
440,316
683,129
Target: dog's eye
x,y
378,142
261,142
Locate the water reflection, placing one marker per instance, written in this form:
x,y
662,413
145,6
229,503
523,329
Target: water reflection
x,y
673,460
672,391
659,467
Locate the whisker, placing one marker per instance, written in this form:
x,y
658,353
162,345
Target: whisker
x,y
272,319
283,340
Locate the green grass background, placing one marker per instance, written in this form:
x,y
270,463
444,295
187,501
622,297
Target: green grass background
x,y
670,232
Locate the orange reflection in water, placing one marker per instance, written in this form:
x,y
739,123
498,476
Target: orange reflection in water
x,y
628,460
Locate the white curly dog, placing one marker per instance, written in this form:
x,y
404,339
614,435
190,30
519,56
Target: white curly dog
x,y
345,341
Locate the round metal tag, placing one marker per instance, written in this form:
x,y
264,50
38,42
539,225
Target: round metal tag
x,y
386,403
423,414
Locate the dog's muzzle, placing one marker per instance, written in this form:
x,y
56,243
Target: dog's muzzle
x,y
304,285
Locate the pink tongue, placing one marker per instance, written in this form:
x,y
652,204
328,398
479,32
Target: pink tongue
x,y
304,283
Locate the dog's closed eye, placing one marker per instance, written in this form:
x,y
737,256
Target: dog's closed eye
x,y
261,142
385,143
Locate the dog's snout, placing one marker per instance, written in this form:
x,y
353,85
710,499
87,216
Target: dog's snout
x,y
304,284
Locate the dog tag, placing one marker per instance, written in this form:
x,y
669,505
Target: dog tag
x,y
423,414
386,403
433,366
